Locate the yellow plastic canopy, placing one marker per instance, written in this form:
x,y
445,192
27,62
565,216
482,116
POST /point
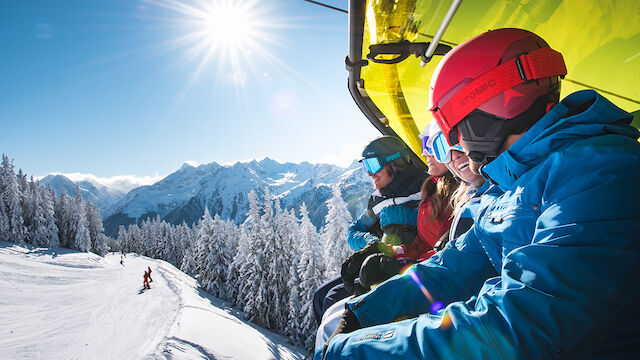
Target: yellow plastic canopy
x,y
599,39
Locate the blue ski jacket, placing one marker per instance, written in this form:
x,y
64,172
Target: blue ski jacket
x,y
403,190
551,267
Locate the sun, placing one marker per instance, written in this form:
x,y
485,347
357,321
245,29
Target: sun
x,y
235,35
231,24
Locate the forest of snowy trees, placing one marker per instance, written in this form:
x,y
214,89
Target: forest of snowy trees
x,y
268,266
31,213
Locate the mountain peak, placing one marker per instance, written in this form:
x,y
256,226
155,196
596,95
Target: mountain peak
x,y
187,165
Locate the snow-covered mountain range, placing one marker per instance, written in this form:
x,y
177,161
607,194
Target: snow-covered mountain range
x,y
99,194
183,195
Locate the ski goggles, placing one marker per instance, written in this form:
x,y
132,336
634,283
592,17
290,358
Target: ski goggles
x,y
373,165
438,147
426,146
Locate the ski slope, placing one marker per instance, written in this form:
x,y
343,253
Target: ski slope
x,y
62,304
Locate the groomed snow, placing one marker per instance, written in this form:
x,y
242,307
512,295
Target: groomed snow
x,y
62,304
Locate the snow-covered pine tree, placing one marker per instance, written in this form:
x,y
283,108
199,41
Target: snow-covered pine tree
x,y
200,246
60,206
236,280
147,237
310,269
134,239
334,237
82,239
254,294
12,202
204,234
5,225
47,197
38,231
121,242
29,205
161,235
178,244
171,247
4,220
188,263
217,261
232,236
95,228
294,329
278,255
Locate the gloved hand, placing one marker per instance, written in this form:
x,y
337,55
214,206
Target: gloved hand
x,y
351,266
377,268
348,323
398,214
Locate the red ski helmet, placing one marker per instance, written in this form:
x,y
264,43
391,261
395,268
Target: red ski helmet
x,y
493,85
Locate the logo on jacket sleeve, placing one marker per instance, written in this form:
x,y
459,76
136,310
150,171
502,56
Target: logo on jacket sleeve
x,y
376,335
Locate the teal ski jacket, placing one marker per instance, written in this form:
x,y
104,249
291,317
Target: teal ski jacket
x,y
551,267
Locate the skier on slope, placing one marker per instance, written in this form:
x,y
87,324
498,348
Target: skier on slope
x,y
145,283
550,267
149,272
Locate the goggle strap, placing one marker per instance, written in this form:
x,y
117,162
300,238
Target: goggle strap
x,y
391,158
537,64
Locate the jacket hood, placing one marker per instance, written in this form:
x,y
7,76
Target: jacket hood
x,y
579,116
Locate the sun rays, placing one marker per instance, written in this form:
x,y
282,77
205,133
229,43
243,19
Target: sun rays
x,y
235,37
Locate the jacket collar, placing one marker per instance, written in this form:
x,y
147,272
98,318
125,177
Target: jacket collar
x,y
581,115
404,183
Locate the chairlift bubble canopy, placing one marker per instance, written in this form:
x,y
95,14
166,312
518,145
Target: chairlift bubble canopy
x,y
599,39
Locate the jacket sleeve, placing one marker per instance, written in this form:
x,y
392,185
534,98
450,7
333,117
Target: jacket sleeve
x,y
559,294
455,273
359,232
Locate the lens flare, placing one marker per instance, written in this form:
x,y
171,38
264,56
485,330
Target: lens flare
x,y
435,305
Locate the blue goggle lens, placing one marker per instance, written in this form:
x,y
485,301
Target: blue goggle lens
x,y
442,149
372,165
426,150
375,164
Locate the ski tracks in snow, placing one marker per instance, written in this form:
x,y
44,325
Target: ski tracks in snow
x,y
58,304
62,304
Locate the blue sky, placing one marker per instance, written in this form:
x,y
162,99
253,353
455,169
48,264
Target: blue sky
x,y
131,87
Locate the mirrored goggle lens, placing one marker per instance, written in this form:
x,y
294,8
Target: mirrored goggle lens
x,y
372,165
442,150
426,150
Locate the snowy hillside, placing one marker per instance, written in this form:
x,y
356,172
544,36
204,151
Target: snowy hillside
x,y
61,304
183,195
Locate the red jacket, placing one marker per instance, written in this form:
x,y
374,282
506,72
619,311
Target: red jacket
x,y
429,232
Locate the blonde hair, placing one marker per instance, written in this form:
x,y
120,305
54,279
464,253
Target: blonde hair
x,y
460,197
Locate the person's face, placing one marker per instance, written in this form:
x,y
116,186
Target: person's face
x,y
473,166
382,178
460,165
436,168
